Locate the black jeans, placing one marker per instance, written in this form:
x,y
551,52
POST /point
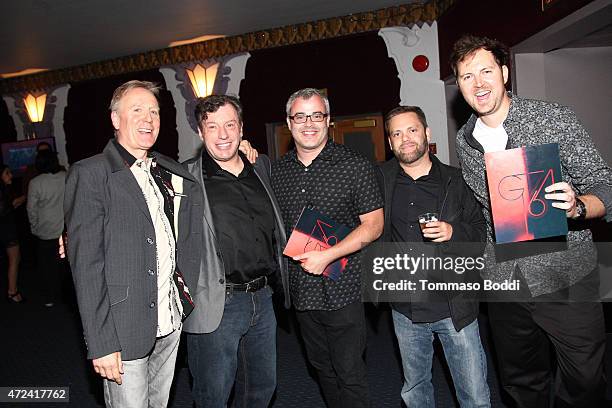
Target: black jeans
x,y
48,267
335,343
524,332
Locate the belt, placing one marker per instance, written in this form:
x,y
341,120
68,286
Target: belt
x,y
252,286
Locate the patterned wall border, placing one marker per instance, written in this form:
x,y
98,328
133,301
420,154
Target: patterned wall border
x,y
275,37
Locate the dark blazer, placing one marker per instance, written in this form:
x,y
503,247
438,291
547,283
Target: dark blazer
x,y
112,253
200,257
460,209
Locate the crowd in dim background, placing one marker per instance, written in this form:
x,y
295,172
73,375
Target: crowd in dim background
x,y
31,221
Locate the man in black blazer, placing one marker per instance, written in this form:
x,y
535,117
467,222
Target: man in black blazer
x,y
119,207
236,227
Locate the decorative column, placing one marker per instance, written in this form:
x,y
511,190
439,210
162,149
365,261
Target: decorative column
x,y
52,124
415,52
187,139
59,96
229,76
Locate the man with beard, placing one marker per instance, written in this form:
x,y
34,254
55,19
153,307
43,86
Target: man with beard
x,y
237,228
416,182
526,332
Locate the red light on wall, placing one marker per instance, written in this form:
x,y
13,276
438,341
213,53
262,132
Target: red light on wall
x,y
420,63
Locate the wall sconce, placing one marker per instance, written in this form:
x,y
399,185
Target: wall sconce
x,y
35,106
203,79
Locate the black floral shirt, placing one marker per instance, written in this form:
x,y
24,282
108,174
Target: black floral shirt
x,y
341,184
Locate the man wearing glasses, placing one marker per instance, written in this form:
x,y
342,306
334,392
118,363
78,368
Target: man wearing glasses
x,y
341,184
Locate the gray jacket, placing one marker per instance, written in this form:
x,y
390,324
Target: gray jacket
x,y
200,259
533,122
112,253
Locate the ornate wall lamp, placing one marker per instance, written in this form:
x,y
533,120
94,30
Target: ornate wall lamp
x,y
35,106
203,79
37,113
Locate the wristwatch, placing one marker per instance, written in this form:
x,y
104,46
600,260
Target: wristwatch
x,y
580,210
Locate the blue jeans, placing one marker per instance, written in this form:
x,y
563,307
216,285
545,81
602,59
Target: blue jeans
x,y
242,350
146,381
464,355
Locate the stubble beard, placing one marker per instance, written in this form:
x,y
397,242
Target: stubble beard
x,y
409,158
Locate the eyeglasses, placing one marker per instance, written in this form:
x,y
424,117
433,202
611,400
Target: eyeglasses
x,y
302,117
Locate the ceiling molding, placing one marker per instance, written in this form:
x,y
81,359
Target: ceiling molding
x,y
294,34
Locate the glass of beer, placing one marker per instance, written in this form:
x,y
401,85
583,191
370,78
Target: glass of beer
x,y
427,217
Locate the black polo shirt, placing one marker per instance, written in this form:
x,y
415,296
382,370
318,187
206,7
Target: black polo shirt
x,y
341,184
410,199
244,220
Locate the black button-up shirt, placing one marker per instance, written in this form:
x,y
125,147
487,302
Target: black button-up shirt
x,y
243,218
410,199
341,184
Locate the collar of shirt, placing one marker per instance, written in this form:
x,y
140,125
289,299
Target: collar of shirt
x,y
210,167
433,175
329,153
144,164
127,156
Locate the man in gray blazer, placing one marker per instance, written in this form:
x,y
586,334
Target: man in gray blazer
x,y
233,327
119,210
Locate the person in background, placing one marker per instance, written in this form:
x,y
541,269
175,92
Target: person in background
x,y
8,231
30,171
46,216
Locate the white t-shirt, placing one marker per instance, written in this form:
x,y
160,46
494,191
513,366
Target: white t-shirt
x,y
491,139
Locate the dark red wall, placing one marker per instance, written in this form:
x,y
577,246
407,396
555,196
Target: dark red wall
x,y
87,120
7,126
508,21
356,70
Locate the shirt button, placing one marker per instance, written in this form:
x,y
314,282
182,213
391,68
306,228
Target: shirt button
x,y
303,191
149,241
222,281
306,169
411,203
411,226
151,272
152,305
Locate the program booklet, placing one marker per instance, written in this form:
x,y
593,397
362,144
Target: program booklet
x,y
315,231
516,179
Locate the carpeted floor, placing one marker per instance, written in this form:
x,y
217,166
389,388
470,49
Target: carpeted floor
x,y
44,347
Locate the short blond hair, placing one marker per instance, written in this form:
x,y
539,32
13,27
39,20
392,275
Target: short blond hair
x,y
128,86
